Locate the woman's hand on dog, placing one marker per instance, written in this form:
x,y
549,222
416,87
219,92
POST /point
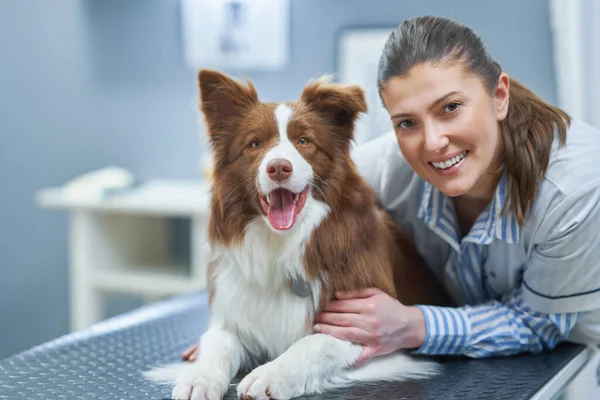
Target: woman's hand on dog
x,y
373,319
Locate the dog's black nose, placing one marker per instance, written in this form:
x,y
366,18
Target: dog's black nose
x,y
279,169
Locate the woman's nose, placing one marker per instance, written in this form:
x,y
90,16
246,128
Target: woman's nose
x,y
435,138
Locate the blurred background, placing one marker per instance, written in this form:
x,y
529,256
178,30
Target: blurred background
x,y
86,84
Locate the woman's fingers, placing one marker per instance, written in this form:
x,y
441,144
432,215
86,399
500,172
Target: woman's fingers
x,y
358,294
367,354
191,353
346,320
351,334
356,306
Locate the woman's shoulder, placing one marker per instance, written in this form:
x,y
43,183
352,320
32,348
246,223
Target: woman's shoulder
x,y
577,163
570,189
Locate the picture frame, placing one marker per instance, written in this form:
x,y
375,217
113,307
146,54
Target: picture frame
x,y
357,59
236,34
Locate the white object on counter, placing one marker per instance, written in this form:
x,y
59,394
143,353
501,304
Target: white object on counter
x,y
97,184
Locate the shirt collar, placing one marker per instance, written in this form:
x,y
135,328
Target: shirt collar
x,y
437,211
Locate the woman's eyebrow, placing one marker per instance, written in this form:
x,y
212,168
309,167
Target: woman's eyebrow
x,y
444,97
434,104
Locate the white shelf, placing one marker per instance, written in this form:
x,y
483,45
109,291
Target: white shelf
x,y
157,197
123,243
165,281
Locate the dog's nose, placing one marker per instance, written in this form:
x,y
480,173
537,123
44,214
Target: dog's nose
x,y
279,169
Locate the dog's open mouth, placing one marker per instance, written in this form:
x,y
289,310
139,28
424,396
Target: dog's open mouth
x,y
282,207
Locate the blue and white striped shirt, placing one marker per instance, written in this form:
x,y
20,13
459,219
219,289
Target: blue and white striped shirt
x,y
486,326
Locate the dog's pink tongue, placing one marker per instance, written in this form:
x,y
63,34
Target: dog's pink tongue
x,y
281,209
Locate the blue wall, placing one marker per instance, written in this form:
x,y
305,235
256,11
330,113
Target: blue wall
x,y
87,83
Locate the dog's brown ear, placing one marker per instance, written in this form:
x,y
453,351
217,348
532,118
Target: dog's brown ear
x,y
223,100
339,104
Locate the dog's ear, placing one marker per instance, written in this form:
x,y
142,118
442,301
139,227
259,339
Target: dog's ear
x,y
338,104
223,100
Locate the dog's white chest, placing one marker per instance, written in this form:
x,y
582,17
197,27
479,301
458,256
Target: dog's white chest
x,y
267,319
253,292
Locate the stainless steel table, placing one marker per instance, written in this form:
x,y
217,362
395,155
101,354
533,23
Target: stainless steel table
x,y
104,362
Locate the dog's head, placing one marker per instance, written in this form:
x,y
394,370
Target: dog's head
x,y
271,159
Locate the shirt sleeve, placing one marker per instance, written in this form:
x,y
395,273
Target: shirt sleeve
x,y
559,293
563,272
495,328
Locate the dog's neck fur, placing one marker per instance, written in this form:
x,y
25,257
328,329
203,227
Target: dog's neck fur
x,y
267,259
254,276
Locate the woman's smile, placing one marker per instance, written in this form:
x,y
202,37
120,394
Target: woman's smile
x,y
449,164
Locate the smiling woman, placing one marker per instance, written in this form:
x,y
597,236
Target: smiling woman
x,y
445,118
501,193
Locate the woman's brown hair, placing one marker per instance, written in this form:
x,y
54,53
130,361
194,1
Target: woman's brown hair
x,y
527,132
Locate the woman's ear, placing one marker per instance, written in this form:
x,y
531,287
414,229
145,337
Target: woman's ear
x,y
502,96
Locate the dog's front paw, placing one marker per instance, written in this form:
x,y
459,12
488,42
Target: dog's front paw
x,y
199,387
271,381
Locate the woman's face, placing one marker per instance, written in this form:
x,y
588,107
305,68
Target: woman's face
x,y
446,123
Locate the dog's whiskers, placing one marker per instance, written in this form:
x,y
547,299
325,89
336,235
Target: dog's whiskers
x,y
322,181
254,196
323,193
235,188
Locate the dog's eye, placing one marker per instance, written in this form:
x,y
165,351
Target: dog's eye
x,y
303,141
254,144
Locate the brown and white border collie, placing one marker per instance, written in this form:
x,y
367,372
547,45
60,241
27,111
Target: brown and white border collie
x,y
291,223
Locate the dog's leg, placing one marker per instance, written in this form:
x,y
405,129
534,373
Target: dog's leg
x,y
209,376
320,362
218,362
304,368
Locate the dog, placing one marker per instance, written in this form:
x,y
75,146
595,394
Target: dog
x,y
291,223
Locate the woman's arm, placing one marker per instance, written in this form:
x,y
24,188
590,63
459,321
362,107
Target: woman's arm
x,y
382,325
492,329
561,282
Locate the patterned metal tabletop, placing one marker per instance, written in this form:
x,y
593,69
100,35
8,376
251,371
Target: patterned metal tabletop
x,y
106,360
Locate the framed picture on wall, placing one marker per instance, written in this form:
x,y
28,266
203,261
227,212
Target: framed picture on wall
x,y
238,34
358,52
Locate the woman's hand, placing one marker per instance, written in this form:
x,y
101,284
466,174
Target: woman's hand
x,y
191,353
373,319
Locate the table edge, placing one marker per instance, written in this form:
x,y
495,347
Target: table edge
x,y
562,378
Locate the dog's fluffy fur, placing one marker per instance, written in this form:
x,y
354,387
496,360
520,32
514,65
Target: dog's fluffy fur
x,y
288,204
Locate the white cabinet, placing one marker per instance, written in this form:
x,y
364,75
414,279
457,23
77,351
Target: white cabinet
x,y
124,243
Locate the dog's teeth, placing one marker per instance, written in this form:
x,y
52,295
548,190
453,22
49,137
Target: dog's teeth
x,y
267,198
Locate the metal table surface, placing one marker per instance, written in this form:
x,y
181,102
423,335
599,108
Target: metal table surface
x,y
105,361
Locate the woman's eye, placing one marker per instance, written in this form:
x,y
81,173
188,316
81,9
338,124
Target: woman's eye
x,y
254,144
405,124
451,107
303,141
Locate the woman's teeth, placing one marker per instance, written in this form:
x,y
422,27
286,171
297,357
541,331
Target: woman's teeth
x,y
449,163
